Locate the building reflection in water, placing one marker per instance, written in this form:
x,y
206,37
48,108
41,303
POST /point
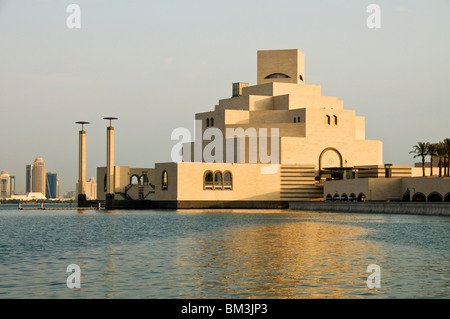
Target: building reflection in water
x,y
297,259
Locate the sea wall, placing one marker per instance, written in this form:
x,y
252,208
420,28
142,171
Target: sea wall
x,y
437,209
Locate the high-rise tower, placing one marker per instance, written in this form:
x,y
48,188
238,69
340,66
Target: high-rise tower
x,y
5,184
38,176
52,185
29,178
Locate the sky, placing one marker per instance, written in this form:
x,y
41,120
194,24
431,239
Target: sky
x,y
154,64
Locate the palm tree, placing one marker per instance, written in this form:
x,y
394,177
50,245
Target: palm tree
x,y
446,159
447,142
442,152
431,151
420,150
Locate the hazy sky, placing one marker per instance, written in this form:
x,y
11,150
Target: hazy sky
x,y
154,64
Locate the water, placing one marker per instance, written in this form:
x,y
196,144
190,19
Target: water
x,y
222,254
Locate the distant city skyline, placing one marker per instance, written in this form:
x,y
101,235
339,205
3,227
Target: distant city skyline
x,y
37,180
154,65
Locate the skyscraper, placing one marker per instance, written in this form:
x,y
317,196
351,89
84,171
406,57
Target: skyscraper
x,y
38,176
5,185
52,185
29,178
12,183
90,189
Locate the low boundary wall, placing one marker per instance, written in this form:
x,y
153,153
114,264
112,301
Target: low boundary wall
x,y
436,209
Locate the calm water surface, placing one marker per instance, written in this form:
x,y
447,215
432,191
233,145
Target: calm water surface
x,y
222,254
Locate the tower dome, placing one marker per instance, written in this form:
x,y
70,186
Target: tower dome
x,y
38,160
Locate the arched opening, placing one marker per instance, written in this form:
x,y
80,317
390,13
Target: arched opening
x,y
336,197
361,197
207,122
208,180
104,184
447,198
331,158
419,197
298,119
164,180
295,120
218,181
227,180
352,197
328,119
434,197
344,197
212,121
406,196
134,179
278,76
335,119
329,197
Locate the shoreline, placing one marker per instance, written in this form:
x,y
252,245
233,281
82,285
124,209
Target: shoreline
x,y
405,208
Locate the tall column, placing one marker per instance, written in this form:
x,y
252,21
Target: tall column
x,y
82,164
110,159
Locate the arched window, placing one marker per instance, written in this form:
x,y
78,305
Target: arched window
x,y
227,180
208,180
419,197
295,120
207,122
134,179
361,197
212,121
218,182
278,76
298,119
328,120
435,197
447,198
335,119
164,180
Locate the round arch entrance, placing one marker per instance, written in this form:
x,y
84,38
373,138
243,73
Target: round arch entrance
x,y
329,157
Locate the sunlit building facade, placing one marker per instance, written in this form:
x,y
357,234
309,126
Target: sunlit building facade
x,y
90,189
6,185
266,145
38,176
